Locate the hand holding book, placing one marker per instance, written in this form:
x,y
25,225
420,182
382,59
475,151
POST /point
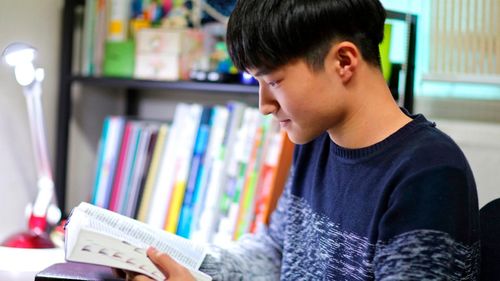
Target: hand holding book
x,y
167,265
99,236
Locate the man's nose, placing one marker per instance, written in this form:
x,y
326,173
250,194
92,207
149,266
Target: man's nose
x,y
267,104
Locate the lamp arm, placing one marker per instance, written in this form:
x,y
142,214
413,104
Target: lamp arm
x,y
45,183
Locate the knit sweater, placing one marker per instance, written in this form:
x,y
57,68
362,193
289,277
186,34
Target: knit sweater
x,y
402,209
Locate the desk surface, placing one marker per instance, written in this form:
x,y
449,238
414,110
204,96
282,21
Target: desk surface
x,y
73,271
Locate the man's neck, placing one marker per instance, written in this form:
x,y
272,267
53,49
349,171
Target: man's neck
x,y
372,114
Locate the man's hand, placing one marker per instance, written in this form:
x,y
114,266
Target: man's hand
x,y
168,266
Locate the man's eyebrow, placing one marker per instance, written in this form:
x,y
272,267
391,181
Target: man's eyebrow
x,y
261,72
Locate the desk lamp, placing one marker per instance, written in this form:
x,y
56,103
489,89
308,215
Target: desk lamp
x,y
43,210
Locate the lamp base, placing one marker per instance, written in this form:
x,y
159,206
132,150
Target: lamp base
x,y
29,239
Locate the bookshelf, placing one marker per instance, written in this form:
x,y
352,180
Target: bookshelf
x,y
132,88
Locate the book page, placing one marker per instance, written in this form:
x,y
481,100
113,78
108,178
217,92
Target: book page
x,y
142,235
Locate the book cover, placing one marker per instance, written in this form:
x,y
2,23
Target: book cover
x,y
119,60
98,236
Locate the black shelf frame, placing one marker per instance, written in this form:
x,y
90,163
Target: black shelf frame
x,y
132,87
167,85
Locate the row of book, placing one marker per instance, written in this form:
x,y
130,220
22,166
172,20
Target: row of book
x,y
212,174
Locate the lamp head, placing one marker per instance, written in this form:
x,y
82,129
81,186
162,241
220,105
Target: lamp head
x,y
19,53
21,56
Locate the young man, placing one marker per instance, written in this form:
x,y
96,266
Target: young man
x,y
374,193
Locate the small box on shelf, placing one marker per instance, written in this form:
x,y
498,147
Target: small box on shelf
x,y
167,54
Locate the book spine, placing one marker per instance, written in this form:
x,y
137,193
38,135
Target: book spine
x,y
267,174
100,33
168,169
129,167
196,171
206,219
144,173
120,169
119,14
97,190
215,146
88,37
250,177
128,207
188,136
152,174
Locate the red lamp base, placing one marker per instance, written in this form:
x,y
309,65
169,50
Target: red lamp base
x,y
29,239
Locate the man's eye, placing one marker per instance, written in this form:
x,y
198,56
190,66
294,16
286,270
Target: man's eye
x,y
273,84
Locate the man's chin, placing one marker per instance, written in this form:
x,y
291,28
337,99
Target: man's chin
x,y
300,139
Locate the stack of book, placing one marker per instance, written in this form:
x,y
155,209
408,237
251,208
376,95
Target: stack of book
x,y
212,174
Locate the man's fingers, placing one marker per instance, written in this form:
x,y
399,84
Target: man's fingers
x,y
167,265
140,278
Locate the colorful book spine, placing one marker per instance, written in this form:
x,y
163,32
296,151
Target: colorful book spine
x,y
213,154
144,173
274,144
246,202
88,37
235,175
108,154
162,190
96,197
188,136
147,193
207,219
143,139
118,17
130,164
195,173
119,177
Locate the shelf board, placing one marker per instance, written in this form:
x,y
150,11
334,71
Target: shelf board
x,y
170,85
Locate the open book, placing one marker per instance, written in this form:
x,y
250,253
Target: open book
x,y
98,236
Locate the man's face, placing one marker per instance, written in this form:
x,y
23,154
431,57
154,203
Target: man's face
x,y
306,102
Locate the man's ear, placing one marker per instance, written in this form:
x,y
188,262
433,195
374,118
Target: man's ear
x,y
343,59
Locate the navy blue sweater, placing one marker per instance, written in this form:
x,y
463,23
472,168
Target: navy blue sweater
x,y
403,209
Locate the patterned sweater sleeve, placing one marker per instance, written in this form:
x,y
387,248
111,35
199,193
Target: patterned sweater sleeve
x,y
418,241
253,256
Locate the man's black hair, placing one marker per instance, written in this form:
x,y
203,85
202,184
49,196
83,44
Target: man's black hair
x,y
267,34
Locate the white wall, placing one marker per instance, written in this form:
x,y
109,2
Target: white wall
x,y
37,23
